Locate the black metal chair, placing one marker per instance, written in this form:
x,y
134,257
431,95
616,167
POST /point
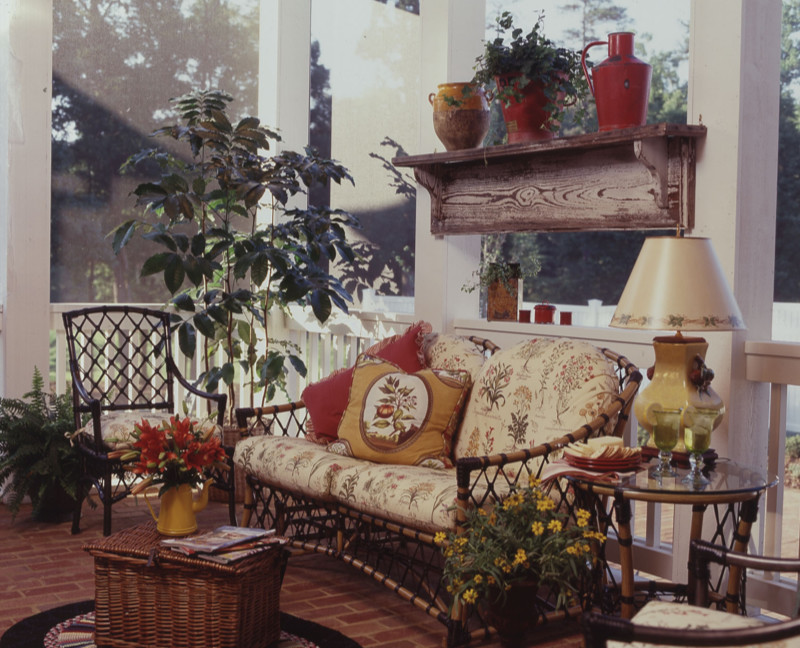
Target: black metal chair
x,y
120,361
598,629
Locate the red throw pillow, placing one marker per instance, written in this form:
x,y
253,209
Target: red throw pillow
x,y
326,400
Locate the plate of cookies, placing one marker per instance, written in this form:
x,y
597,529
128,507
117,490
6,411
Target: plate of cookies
x,y
604,454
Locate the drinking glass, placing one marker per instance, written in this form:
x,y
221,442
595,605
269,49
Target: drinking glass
x,y
698,423
666,431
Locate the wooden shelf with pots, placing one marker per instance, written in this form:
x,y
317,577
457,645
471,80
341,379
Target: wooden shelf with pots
x,y
635,178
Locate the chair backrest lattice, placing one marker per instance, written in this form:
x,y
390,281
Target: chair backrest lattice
x,y
120,356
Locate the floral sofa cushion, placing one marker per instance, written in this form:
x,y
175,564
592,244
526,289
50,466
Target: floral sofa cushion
x,y
452,352
117,428
664,614
295,464
532,393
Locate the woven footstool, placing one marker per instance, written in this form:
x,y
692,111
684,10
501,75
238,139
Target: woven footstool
x,y
148,595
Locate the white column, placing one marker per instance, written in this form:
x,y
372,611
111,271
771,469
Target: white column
x,y
452,35
734,89
26,48
284,59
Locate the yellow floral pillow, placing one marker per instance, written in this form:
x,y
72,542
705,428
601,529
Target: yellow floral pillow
x,y
396,417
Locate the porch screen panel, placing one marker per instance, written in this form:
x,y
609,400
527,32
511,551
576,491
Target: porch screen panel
x,y
115,67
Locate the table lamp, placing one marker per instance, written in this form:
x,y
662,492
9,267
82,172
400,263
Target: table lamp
x,y
677,284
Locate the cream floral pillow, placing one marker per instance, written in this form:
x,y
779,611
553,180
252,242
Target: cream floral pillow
x,y
533,393
452,352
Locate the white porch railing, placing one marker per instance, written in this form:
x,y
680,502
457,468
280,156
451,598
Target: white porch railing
x,y
338,343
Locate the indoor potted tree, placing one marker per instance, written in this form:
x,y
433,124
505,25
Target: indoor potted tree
x,y
36,457
233,249
535,79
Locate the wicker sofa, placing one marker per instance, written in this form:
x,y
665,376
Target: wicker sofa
x,y
525,404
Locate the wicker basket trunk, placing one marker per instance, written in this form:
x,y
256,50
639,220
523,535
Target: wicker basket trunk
x,y
146,595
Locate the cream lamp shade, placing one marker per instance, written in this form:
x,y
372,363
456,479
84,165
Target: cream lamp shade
x,y
677,284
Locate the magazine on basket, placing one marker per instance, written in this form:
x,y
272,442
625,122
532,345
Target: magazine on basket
x,y
221,538
244,550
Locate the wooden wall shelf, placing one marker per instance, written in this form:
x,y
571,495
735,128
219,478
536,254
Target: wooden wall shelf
x,y
636,178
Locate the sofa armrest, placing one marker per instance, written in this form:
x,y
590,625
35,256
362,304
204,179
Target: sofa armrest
x,y
287,419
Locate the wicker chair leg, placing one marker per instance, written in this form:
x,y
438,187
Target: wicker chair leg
x,y
80,494
247,506
107,501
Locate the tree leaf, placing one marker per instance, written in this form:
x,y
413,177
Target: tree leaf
x,y
187,339
122,235
321,305
183,302
204,324
156,263
174,274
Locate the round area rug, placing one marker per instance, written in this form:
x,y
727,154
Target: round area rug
x,y
76,628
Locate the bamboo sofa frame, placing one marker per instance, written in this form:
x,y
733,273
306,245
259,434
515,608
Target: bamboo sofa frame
x,y
405,559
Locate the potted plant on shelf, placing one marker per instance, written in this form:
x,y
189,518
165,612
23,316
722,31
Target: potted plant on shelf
x,y
511,552
233,250
502,281
36,457
535,79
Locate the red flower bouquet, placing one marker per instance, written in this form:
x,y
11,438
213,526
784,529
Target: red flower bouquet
x,y
174,453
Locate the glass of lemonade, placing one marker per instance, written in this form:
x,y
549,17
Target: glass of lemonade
x,y
699,423
666,431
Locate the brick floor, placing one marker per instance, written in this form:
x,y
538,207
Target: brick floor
x,y
44,566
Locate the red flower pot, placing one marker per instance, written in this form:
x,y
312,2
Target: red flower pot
x,y
526,120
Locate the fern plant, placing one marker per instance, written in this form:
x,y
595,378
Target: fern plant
x,y
36,457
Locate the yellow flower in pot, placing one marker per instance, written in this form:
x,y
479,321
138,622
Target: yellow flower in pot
x,y
520,546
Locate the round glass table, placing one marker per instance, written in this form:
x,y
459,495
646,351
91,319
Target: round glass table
x,y
730,483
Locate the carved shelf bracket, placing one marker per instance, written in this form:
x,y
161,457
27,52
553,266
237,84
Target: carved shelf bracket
x,y
636,178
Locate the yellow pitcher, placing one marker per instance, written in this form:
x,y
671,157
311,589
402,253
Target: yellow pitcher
x,y
176,514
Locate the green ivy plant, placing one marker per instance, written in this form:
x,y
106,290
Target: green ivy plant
x,y
234,245
36,457
490,271
528,58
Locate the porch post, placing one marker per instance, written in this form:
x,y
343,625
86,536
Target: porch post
x,y
734,89
452,34
26,45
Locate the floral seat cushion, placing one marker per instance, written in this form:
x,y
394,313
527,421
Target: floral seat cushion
x,y
415,496
532,393
664,614
117,428
292,463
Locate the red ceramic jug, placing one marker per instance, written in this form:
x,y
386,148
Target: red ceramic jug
x,y
620,84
